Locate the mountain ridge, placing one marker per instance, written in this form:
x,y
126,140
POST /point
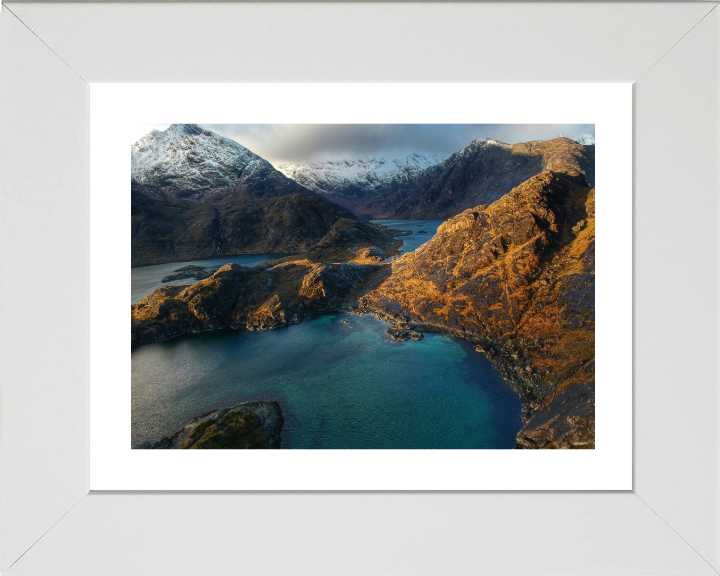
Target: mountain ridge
x,y
346,180
480,173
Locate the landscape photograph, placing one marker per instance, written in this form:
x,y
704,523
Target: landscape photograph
x,y
363,286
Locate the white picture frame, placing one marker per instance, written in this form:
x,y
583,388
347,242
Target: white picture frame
x,y
668,523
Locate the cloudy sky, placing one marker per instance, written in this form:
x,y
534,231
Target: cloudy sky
x,y
280,143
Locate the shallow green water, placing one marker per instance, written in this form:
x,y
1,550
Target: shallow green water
x,y
339,386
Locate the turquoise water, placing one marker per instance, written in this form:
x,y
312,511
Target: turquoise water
x,y
339,386
147,279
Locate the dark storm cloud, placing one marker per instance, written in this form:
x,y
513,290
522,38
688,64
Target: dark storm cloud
x,y
280,143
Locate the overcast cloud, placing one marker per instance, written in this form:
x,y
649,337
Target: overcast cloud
x,y
280,143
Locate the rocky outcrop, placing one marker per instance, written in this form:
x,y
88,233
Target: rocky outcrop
x,y
404,333
518,278
259,298
196,272
245,426
568,420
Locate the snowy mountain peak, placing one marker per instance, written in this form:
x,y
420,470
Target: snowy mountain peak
x,y
357,176
189,129
186,161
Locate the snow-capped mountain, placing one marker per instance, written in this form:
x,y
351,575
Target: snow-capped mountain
x,y
357,177
196,194
185,161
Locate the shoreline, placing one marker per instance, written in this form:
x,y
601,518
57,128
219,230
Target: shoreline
x,y
217,257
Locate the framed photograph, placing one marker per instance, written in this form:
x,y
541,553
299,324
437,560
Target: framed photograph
x,y
224,242
384,273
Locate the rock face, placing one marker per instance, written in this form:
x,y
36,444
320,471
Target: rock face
x,y
517,277
196,194
259,298
245,426
568,421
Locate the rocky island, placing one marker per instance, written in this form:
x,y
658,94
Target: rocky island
x,y
248,425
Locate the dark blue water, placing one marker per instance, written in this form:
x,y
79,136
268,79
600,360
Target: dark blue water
x,y
339,386
147,279
415,240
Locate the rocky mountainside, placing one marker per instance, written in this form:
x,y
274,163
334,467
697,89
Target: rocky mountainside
x,y
479,174
351,182
173,231
518,278
195,194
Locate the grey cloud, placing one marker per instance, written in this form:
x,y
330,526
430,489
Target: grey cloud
x,y
307,142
